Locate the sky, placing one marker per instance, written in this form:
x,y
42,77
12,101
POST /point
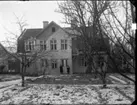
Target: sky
x,y
35,12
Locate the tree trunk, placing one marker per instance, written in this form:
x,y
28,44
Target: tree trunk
x,y
22,76
104,81
44,72
88,70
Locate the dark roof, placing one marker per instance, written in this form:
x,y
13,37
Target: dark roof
x,y
27,33
31,33
34,32
3,51
46,28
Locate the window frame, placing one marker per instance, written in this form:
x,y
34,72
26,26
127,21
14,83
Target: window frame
x,y
54,64
64,44
53,29
100,60
29,45
43,45
82,62
44,62
53,44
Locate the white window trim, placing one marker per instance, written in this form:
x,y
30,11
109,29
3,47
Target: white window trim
x,y
53,43
43,45
27,44
30,43
54,62
64,44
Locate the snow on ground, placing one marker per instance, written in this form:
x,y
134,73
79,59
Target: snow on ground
x,y
123,78
13,82
8,83
113,97
8,77
67,94
115,78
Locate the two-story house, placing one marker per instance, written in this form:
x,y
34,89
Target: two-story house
x,y
56,47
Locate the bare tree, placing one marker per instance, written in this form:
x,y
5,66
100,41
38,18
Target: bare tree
x,y
117,28
92,21
83,16
25,58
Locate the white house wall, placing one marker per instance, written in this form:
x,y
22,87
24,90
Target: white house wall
x,y
58,54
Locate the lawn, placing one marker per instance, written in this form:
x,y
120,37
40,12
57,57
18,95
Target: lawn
x,y
69,79
69,89
8,77
68,94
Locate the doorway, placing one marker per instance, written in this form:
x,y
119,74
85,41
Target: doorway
x,y
64,63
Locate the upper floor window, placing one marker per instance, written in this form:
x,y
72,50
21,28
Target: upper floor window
x,y
63,44
29,45
53,29
42,45
54,64
53,44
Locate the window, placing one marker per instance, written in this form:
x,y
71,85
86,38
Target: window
x,y
63,44
42,45
100,61
32,45
28,62
53,44
64,62
53,29
26,46
82,61
29,45
54,64
44,62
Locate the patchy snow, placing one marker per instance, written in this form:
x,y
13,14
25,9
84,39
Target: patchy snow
x,y
65,94
13,82
8,83
113,77
112,96
125,79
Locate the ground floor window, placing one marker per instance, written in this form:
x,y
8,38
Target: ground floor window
x,y
100,61
54,64
44,62
64,62
82,61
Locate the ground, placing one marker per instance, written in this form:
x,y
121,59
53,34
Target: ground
x,y
70,89
7,77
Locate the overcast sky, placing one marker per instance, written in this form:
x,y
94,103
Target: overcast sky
x,y
35,12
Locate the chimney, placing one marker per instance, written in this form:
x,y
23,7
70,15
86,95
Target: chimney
x,y
45,24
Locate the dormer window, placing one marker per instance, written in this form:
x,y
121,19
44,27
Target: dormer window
x,y
53,29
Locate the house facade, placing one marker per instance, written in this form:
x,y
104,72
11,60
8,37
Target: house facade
x,y
56,49
8,63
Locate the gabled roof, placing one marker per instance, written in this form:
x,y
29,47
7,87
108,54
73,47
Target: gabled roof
x,y
31,33
47,28
27,33
36,32
3,51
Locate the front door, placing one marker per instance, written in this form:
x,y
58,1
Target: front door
x,y
64,64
